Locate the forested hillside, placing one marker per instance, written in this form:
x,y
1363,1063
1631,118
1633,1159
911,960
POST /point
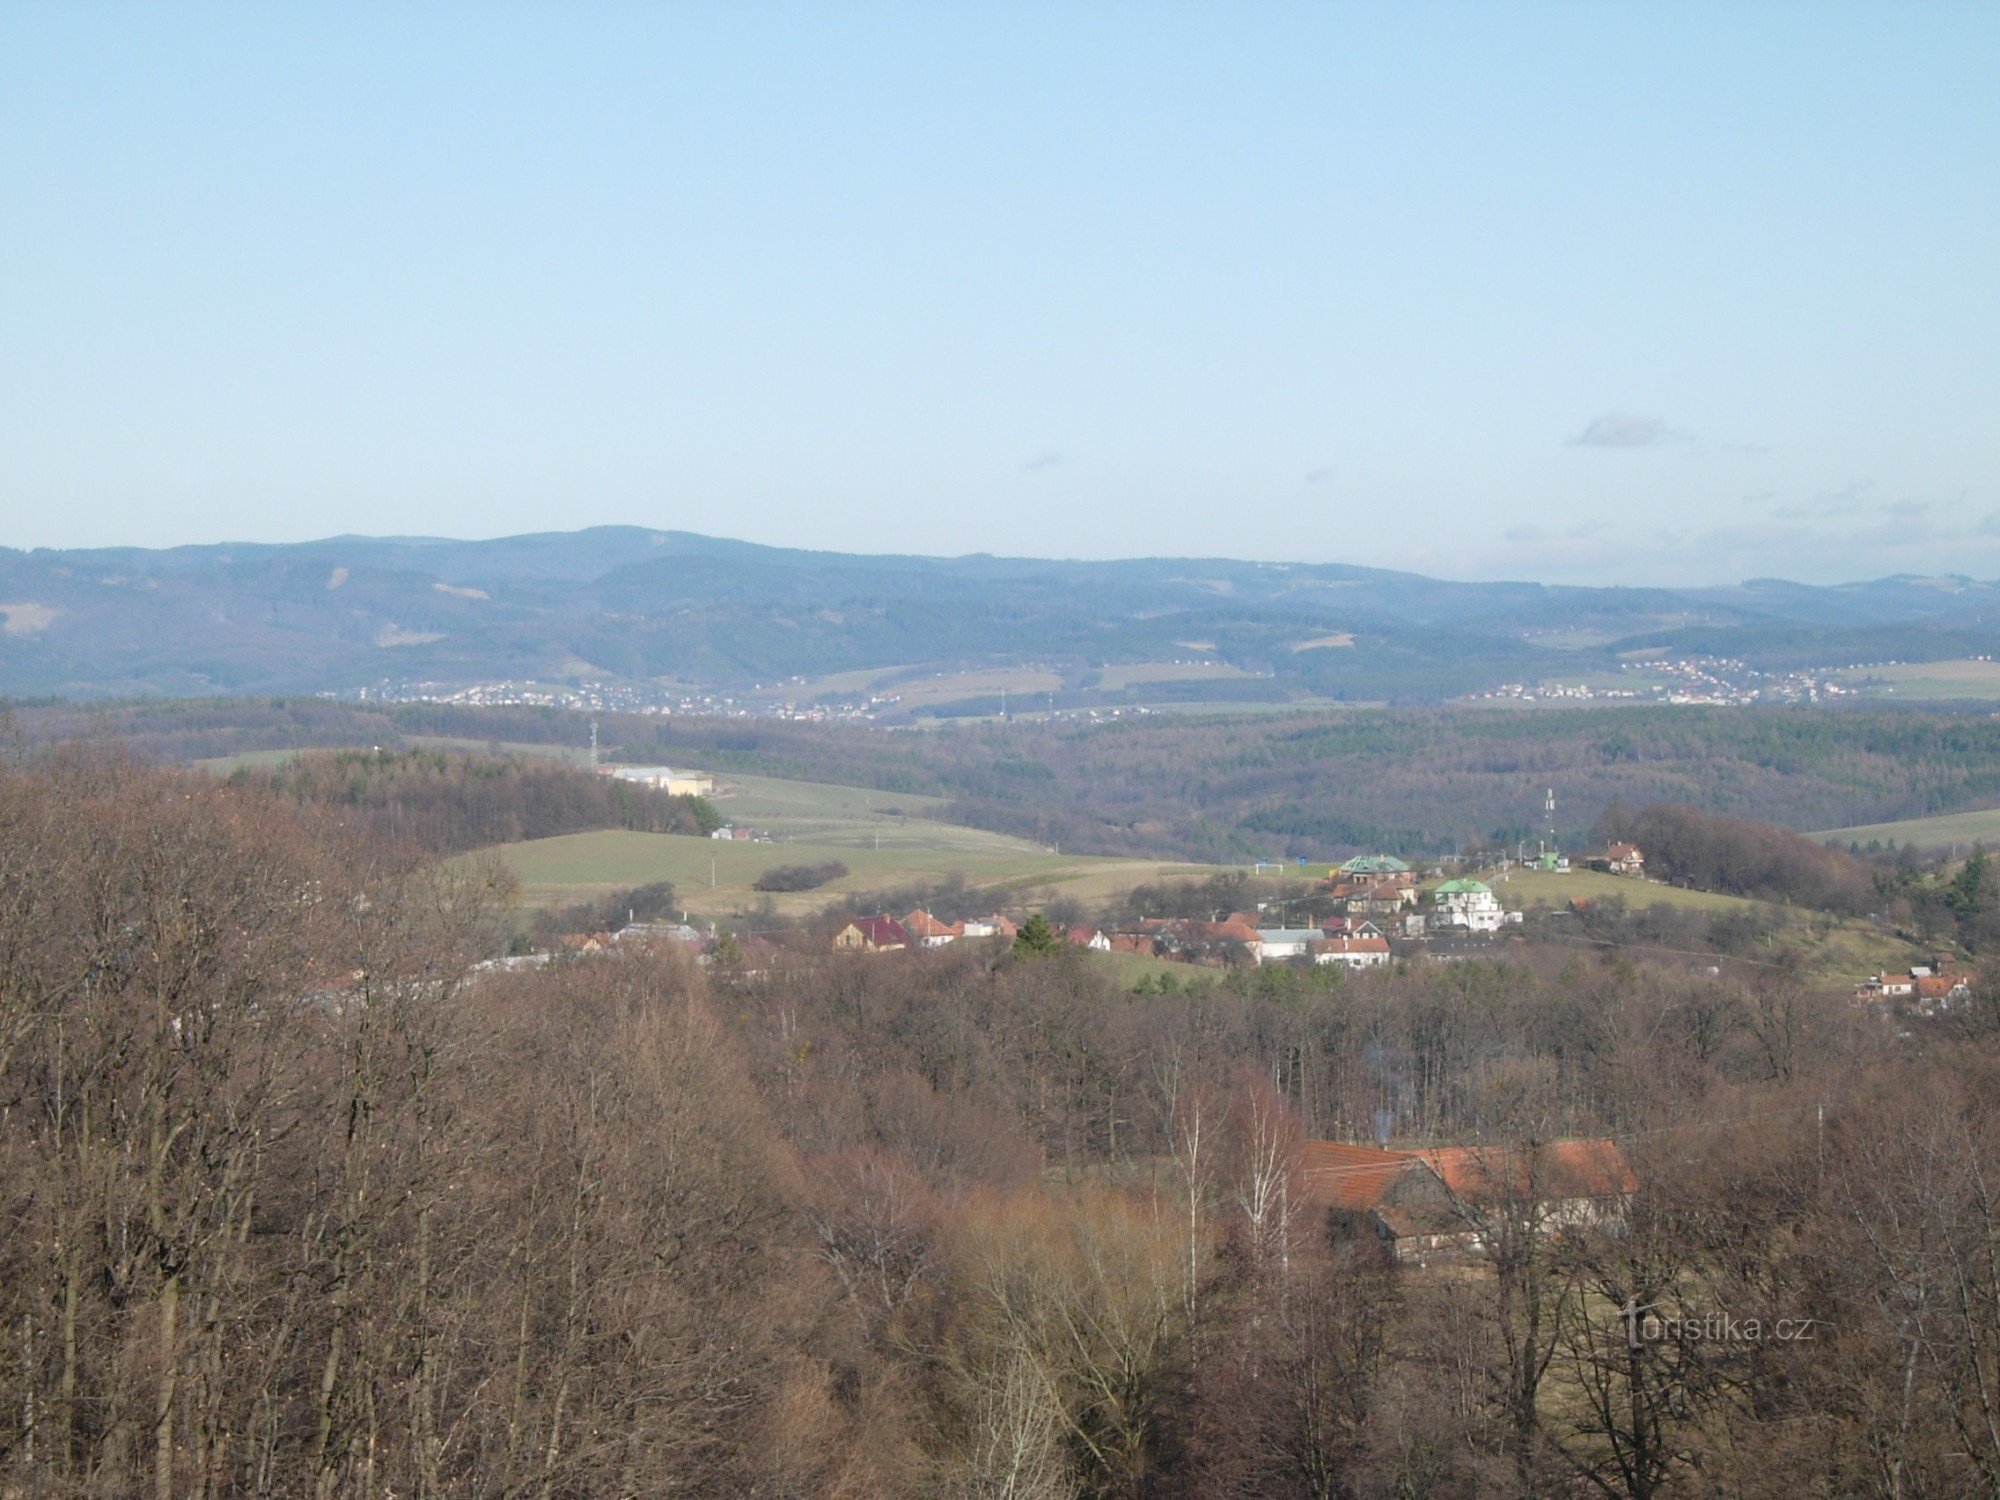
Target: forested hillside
x,y
1214,786
640,607
300,1201
448,801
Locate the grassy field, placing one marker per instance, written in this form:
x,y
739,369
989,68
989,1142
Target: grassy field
x,y
1836,949
1941,832
1117,679
951,687
1531,888
1932,680
819,810
714,877
578,755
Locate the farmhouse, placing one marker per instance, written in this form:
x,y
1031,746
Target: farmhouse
x,y
1625,859
1451,1199
1928,989
928,932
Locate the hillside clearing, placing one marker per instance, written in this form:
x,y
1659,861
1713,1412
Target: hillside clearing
x,y
1940,832
714,877
1527,889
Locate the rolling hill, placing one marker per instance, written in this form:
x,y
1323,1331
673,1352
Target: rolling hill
x,y
652,608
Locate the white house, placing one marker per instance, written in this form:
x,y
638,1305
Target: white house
x,y
1351,952
1469,905
1276,944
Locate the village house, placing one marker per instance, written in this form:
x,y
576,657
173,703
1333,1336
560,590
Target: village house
x,y
1276,944
1447,1200
1373,869
1625,859
1085,936
986,927
1351,952
871,935
1466,905
643,933
1928,988
926,931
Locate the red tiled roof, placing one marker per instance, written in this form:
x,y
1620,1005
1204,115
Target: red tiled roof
x,y
921,924
1357,1177
881,931
1350,945
1559,1169
1351,1177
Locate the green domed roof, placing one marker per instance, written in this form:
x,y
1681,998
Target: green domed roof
x,y
1463,888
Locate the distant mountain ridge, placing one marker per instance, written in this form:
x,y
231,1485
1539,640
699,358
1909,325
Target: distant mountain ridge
x,y
635,605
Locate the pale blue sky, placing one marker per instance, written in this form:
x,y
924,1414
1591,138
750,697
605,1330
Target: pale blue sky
x,y
1607,292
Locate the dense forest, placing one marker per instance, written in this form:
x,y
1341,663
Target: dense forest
x,y
449,801
1744,857
303,1201
1215,787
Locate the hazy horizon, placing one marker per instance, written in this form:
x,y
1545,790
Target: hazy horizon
x,y
1641,296
420,538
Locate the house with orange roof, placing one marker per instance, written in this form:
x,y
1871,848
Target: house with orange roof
x,y
926,931
1449,1199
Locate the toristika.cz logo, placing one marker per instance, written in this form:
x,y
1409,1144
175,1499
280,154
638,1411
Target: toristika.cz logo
x,y
1646,1324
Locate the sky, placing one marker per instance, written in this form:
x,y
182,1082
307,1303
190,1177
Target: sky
x,y
1606,293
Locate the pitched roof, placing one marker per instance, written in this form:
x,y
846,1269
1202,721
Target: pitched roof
x,y
1462,888
1558,1169
1352,1177
881,930
921,924
1374,864
1358,1177
1623,851
1350,945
